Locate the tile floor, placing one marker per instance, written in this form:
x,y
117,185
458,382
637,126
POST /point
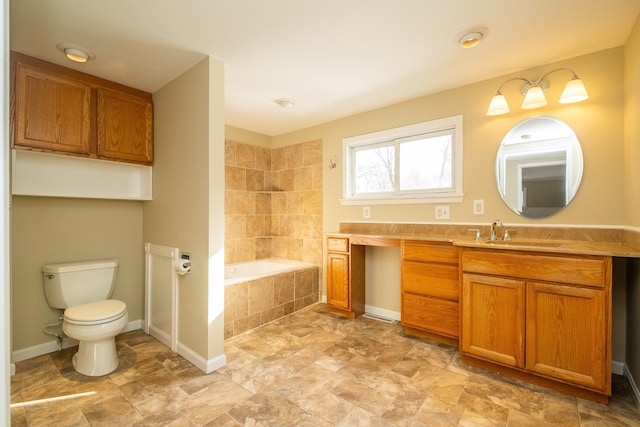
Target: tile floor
x,y
311,368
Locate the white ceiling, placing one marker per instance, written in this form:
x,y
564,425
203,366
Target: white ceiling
x,y
335,58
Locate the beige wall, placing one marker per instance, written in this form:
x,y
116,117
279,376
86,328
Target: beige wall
x,y
632,179
598,123
244,136
632,126
188,198
50,230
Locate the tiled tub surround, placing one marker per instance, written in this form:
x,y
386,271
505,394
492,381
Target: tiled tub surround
x,y
273,202
252,303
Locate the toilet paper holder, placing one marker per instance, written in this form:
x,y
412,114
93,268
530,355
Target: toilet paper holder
x,y
183,266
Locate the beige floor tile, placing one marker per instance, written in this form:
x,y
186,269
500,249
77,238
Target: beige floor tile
x,y
311,368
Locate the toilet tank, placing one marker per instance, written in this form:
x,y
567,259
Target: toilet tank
x,y
75,283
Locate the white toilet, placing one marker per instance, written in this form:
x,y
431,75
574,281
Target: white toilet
x,y
83,290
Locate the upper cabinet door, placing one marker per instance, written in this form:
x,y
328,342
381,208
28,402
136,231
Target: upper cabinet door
x,y
53,112
124,126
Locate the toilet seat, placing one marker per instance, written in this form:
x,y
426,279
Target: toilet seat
x,y
95,313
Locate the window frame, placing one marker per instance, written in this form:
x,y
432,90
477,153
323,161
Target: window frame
x,y
394,137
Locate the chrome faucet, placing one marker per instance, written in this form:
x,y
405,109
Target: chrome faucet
x,y
494,227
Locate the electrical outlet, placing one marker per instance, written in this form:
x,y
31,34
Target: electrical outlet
x,y
366,212
442,212
478,207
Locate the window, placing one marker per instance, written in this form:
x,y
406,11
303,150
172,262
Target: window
x,y
420,163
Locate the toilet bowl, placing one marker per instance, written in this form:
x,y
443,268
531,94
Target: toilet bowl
x,y
83,290
95,326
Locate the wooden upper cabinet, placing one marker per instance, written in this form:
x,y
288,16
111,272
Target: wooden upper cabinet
x,y
124,127
53,112
60,110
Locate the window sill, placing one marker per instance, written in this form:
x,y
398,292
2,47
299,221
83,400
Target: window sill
x,y
403,200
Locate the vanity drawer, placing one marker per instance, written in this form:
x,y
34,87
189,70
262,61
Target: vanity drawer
x,y
585,270
431,279
430,314
338,244
430,252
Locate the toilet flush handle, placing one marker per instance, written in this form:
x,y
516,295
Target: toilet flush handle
x,y
51,276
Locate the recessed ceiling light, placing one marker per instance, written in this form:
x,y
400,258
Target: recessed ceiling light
x,y
285,102
75,53
472,37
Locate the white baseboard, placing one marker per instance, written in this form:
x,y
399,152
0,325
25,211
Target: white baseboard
x,y
382,312
206,366
617,367
633,384
160,335
51,346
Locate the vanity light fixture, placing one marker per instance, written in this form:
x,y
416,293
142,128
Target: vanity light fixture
x,y
285,102
533,92
75,53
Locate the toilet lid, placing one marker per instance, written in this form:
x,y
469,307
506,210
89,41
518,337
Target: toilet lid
x,y
101,311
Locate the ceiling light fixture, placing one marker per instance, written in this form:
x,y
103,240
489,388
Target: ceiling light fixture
x,y
472,37
75,53
285,102
533,92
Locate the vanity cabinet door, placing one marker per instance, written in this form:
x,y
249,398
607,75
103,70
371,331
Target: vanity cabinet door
x,y
567,334
493,312
345,277
338,294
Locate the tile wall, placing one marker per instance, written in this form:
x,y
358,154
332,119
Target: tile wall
x,y
273,202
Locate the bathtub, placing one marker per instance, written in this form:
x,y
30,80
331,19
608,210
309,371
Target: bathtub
x,y
259,292
252,270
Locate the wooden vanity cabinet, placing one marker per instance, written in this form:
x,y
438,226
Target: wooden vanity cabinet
x,y
63,111
430,289
345,277
544,314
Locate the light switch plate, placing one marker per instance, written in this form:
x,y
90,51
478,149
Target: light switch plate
x,y
478,207
366,212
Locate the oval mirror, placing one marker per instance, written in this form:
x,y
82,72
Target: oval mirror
x,y
539,167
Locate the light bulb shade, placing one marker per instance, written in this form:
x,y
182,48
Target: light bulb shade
x,y
498,105
76,55
470,40
574,91
534,98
